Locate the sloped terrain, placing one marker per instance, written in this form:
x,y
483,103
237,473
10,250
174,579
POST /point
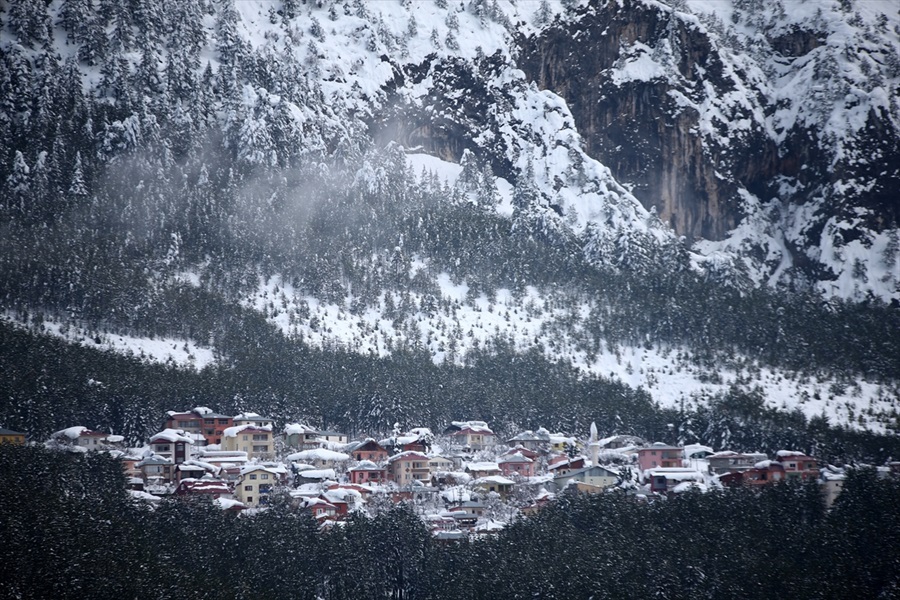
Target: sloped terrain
x,y
690,199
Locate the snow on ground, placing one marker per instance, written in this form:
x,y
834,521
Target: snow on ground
x,y
181,353
450,326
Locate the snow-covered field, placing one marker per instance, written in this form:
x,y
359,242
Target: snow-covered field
x,y
456,323
178,352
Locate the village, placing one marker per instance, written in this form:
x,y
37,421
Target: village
x,y
463,481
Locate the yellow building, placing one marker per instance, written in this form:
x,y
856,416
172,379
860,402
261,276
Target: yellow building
x,y
257,442
8,436
254,485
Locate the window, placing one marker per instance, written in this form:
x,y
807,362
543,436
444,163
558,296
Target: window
x,y
249,499
260,437
253,476
248,488
260,449
245,438
264,476
162,448
223,421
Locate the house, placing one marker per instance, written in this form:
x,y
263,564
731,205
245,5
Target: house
x,y
494,484
368,449
156,470
728,461
665,479
255,441
832,481
762,473
560,442
566,465
320,508
173,444
798,465
599,477
467,513
532,440
201,421
516,464
251,418
440,522
482,469
659,455
615,442
542,500
314,476
8,436
344,499
440,464
254,485
297,435
321,458
230,462
79,437
410,442
527,453
208,489
406,467
474,436
333,437
367,472
188,471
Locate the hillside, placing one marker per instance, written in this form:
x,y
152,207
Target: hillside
x,y
683,201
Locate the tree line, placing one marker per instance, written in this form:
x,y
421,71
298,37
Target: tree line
x,y
79,533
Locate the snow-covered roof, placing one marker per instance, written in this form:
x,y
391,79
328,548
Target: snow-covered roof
x,y
782,454
319,474
228,503
171,436
237,429
298,428
482,466
143,496
676,474
223,456
256,467
531,436
691,449
320,454
73,433
495,479
408,455
366,465
685,486
154,459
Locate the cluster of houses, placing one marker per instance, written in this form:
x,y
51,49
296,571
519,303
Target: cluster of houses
x,y
463,480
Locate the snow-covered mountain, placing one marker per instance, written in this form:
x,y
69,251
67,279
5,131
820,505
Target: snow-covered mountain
x,y
450,176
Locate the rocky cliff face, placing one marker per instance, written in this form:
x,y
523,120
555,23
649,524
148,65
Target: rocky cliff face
x,y
754,130
626,70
